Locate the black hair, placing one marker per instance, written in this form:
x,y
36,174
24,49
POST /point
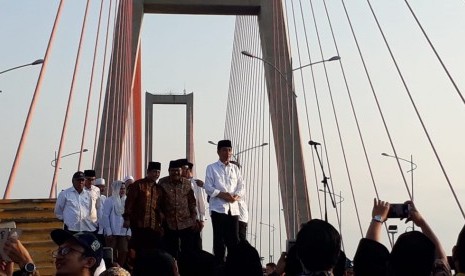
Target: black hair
x,y
154,262
318,246
412,254
459,251
243,260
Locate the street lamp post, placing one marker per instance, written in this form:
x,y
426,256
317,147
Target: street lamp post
x,y
54,161
289,83
236,156
412,168
36,62
248,54
272,231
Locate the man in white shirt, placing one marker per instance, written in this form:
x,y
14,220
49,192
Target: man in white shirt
x,y
76,207
89,185
225,186
243,213
200,198
100,184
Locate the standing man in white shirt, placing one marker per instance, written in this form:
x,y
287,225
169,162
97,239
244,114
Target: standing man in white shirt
x,y
200,199
89,185
225,186
75,207
100,184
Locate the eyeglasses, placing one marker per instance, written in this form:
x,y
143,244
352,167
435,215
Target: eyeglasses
x,y
63,251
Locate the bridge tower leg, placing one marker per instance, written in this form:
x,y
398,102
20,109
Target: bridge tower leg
x,y
291,170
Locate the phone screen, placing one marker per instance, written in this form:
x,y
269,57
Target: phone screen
x,y
398,210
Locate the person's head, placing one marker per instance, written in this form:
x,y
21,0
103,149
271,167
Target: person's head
x,y
198,262
243,260
458,252
78,181
100,183
175,171
412,254
118,188
318,246
78,254
153,170
224,150
90,178
128,180
184,167
155,262
270,268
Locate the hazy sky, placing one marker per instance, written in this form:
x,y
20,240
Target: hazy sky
x,y
194,53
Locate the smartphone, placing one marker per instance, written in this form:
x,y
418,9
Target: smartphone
x,y
398,210
7,230
8,225
108,256
289,244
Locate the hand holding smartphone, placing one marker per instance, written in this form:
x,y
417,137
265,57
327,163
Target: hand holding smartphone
x,y
399,210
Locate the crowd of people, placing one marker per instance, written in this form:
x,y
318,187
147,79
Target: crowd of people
x,y
154,226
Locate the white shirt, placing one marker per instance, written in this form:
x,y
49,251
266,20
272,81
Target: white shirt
x,y
200,200
113,222
224,178
76,209
101,202
95,194
101,268
244,212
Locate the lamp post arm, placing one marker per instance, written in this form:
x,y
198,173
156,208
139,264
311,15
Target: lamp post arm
x,y
271,226
53,162
17,67
310,64
267,62
71,154
400,158
36,62
316,62
254,147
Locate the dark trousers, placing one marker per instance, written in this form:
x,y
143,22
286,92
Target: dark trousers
x,y
198,240
242,231
225,233
145,239
176,241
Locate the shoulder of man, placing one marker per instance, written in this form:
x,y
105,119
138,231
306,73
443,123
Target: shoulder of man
x,y
164,180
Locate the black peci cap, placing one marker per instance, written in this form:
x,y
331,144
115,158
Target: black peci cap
x,y
224,144
154,166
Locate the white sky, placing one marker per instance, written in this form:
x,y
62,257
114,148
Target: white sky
x,y
194,52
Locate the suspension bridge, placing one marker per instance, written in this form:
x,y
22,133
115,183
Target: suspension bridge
x,y
123,82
